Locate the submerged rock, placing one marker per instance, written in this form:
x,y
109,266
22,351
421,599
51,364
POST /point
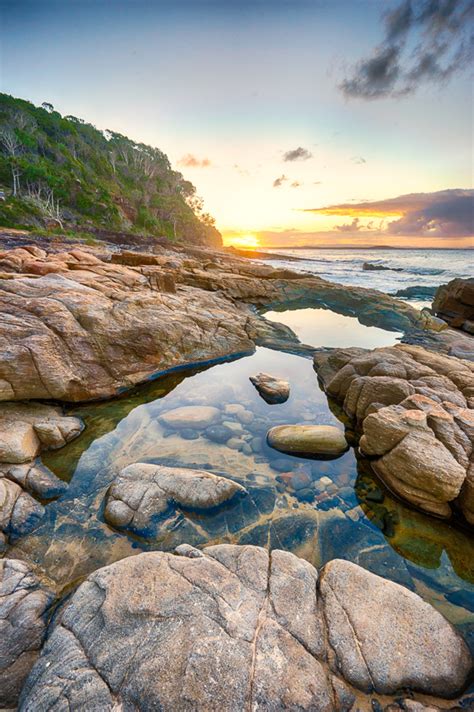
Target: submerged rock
x,y
190,416
243,630
311,440
24,607
273,390
141,493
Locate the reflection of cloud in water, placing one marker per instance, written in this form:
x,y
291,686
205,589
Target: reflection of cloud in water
x,y
323,327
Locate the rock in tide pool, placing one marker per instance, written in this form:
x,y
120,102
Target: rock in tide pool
x,y
190,416
143,492
273,390
308,440
244,630
24,605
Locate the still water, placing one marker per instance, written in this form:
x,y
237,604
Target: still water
x,y
318,509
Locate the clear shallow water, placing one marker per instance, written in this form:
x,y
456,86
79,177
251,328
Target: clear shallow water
x,y
287,506
322,327
418,267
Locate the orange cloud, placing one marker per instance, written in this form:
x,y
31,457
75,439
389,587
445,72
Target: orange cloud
x,y
190,161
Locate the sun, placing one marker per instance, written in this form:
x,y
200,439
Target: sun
x,y
248,241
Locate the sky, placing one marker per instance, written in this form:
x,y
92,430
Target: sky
x,y
320,122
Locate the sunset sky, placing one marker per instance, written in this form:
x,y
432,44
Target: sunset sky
x,y
300,121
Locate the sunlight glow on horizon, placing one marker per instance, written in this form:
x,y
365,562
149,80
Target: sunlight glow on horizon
x,y
247,241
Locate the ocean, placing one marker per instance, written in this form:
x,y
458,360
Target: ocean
x,y
406,268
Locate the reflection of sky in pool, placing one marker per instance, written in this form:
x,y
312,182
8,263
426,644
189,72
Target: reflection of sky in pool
x,y
322,327
318,509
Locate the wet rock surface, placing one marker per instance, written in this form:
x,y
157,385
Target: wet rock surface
x,y
308,440
244,630
142,493
273,390
24,611
415,411
454,302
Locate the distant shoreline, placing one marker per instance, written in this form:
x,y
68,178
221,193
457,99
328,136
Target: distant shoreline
x,y
364,247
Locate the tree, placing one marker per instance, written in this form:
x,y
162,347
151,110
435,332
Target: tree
x,y
13,148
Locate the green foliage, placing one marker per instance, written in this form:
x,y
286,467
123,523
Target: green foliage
x,y
100,179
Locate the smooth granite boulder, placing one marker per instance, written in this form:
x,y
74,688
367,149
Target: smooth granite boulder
x,y
233,628
308,440
24,611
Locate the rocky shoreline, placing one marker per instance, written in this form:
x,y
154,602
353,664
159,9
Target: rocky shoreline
x,y
82,324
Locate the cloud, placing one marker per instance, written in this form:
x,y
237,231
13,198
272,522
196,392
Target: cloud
x,y
424,41
358,160
279,181
297,154
190,161
354,226
445,213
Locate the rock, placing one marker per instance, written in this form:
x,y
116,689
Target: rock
x,y
244,630
308,440
273,390
454,302
415,411
370,267
24,610
190,416
141,493
28,428
417,292
218,433
76,326
421,650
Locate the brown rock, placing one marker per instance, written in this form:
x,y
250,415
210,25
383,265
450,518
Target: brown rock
x,y
273,390
233,628
24,609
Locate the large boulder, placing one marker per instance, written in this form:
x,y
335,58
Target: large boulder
x,y
24,611
308,440
76,328
142,493
234,628
454,302
415,412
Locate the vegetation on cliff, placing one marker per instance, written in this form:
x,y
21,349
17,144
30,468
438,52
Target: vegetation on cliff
x,y
62,172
